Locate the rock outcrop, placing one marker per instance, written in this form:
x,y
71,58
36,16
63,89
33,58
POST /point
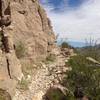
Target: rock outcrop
x,y
22,21
31,26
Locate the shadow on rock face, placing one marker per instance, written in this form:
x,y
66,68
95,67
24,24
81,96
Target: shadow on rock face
x,y
4,95
6,20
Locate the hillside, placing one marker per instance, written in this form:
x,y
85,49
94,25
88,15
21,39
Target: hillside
x,y
26,36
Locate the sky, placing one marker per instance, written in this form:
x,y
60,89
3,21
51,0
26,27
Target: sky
x,y
75,20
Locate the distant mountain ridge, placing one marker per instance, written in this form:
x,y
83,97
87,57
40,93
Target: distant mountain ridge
x,y
72,43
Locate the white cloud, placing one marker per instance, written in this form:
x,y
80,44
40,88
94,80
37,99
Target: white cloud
x,y
77,24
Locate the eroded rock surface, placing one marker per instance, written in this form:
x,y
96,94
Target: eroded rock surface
x,y
22,21
31,26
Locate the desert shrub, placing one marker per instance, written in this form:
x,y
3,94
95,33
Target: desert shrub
x,y
54,94
84,78
92,51
27,68
84,74
20,50
57,94
65,45
23,84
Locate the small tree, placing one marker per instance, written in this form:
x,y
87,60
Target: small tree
x,y
65,45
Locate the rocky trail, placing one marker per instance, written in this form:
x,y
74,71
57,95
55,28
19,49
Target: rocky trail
x,y
45,77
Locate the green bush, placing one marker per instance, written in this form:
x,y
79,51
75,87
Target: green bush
x,y
57,94
84,74
54,94
23,84
92,51
27,68
20,50
65,45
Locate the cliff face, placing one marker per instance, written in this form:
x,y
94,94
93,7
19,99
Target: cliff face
x,y
31,26
22,21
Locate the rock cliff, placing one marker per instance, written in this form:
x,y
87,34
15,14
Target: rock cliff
x,y
22,21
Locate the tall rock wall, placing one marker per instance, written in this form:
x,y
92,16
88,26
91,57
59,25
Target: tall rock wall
x,y
22,21
31,26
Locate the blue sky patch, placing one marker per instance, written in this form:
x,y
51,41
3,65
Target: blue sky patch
x,y
59,5
55,3
75,3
